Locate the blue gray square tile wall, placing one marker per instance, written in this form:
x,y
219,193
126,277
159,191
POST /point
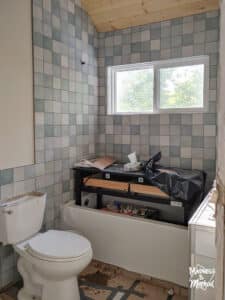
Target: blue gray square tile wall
x,y
70,103
66,108
186,140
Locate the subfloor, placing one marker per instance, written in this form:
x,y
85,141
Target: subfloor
x,y
105,282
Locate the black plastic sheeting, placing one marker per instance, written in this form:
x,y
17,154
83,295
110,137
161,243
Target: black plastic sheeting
x,y
180,184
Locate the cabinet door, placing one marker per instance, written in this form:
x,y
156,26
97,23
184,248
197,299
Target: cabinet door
x,y
205,243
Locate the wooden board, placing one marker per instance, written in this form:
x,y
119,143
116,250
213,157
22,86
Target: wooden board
x,y
98,163
109,15
107,184
147,190
124,186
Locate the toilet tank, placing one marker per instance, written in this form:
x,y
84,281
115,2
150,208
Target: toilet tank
x,y
21,217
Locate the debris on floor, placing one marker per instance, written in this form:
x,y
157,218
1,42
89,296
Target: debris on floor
x,y
100,281
6,297
106,282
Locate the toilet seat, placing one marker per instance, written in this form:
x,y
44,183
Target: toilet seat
x,y
55,245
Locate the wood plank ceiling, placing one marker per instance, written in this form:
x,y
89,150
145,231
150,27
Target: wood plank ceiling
x,y
109,15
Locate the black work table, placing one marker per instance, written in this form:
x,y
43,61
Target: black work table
x,y
116,173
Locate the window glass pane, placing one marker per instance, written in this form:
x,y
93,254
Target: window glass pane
x,y
134,91
182,87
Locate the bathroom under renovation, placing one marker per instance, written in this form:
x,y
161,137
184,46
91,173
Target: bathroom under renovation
x,y
112,142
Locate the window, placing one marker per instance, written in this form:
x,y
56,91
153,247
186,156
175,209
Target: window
x,y
179,85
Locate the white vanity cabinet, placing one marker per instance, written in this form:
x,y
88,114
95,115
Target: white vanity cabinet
x,y
202,228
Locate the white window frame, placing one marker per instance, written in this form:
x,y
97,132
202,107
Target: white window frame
x,y
157,65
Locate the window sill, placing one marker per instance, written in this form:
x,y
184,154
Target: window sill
x,y
162,111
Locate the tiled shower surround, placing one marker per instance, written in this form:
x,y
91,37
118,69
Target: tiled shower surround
x,y
186,140
70,118
65,110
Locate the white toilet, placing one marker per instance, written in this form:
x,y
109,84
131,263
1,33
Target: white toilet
x,y
49,262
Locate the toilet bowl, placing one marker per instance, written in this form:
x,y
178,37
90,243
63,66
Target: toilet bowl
x,y
49,262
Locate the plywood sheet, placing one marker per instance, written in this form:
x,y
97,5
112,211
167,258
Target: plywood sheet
x,y
107,184
147,190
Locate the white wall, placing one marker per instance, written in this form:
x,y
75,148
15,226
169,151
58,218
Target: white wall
x,y
221,102
221,162
16,84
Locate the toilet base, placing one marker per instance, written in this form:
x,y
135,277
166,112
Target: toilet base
x,y
66,290
22,295
31,290
37,287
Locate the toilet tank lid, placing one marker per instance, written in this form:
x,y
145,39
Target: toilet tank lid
x,y
56,244
19,199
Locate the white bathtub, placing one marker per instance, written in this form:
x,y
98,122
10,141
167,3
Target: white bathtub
x,y
147,247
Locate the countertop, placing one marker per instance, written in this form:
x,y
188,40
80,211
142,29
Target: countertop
x,y
205,214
